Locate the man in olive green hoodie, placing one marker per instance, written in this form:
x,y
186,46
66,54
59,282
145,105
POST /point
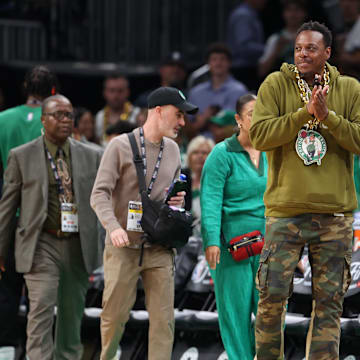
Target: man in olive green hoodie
x,y
307,119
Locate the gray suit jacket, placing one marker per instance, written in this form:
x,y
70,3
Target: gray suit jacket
x,y
26,187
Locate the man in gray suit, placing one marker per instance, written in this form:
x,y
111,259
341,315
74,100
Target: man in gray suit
x,y
56,245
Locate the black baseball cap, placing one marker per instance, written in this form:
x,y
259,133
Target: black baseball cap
x,y
173,59
170,96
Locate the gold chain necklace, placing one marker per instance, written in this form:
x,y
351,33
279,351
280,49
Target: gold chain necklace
x,y
305,91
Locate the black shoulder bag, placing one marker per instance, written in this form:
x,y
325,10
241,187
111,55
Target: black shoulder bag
x,y
161,224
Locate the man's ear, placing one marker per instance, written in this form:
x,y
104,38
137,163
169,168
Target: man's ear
x,y
158,110
328,52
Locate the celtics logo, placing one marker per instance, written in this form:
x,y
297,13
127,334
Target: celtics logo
x,y
310,146
182,94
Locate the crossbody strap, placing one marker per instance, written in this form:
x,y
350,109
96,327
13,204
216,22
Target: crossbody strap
x,y
139,165
138,162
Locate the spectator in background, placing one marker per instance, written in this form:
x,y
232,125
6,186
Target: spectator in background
x,y
245,36
198,150
118,107
279,47
84,125
141,118
232,187
19,125
172,72
22,124
350,13
218,93
348,44
121,127
182,141
222,125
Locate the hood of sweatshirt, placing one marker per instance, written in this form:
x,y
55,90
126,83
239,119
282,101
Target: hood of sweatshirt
x,y
288,71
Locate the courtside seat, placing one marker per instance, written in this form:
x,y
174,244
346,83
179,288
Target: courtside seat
x,y
350,327
92,317
206,320
138,319
184,319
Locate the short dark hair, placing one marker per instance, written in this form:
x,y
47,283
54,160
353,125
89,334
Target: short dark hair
x,y
218,48
321,28
114,76
242,101
41,81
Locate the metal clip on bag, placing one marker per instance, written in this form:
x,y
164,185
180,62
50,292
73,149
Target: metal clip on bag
x,y
246,245
161,224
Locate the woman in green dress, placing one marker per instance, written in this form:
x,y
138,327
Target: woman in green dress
x,y
232,186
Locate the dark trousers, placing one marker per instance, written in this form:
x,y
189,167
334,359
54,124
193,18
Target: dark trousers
x,y
11,285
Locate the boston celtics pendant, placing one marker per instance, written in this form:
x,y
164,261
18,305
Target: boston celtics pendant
x,y
310,146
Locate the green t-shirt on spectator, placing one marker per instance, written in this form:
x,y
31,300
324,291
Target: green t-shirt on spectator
x,y
18,126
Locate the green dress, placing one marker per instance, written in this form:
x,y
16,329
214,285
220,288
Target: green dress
x,y
232,191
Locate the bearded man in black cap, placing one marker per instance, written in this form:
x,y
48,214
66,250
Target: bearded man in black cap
x,y
114,197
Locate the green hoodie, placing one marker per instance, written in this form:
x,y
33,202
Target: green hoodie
x,y
294,188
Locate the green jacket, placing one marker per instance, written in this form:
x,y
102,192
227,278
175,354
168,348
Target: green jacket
x,y
294,188
231,193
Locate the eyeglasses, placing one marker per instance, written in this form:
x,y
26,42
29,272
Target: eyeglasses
x,y
59,115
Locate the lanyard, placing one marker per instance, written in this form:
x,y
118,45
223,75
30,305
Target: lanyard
x,y
143,155
54,169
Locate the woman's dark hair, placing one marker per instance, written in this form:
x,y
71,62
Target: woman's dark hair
x,y
78,113
316,26
120,127
243,100
41,82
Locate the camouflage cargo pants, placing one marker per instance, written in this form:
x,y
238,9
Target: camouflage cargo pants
x,y
329,240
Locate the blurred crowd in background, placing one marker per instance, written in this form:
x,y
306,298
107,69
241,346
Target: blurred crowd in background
x,y
258,36
227,69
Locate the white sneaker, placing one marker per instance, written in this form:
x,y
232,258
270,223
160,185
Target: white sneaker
x,y
7,353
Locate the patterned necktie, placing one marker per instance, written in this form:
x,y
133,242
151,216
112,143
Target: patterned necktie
x,y
65,177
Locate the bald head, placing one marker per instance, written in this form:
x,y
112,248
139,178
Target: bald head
x,y
47,103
